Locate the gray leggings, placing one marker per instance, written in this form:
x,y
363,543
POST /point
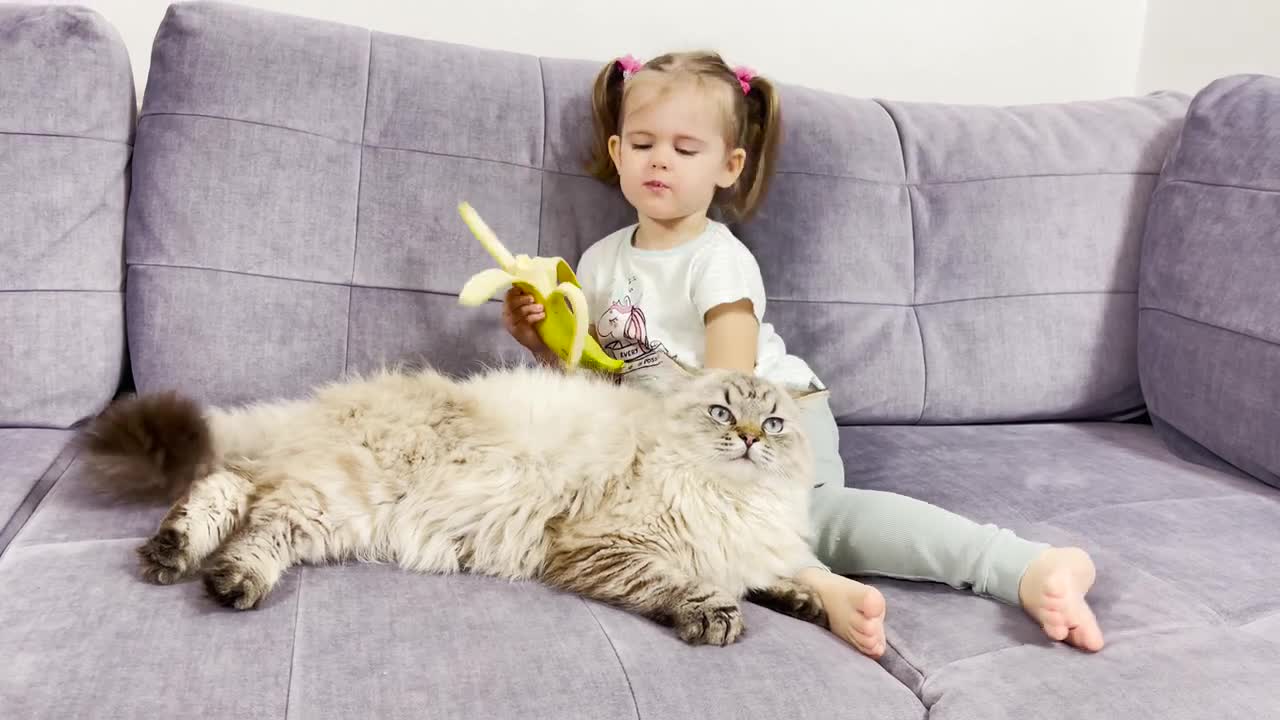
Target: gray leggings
x,y
870,532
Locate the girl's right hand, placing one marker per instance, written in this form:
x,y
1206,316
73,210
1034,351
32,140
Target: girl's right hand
x,y
519,314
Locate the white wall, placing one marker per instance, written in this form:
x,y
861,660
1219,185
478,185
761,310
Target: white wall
x,y
974,51
980,51
1188,43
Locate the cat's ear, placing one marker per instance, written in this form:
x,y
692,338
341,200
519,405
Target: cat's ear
x,y
804,396
689,371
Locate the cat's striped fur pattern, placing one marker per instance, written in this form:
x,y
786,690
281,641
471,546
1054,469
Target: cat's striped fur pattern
x,y
673,506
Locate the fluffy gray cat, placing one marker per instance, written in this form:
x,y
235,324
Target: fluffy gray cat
x,y
674,506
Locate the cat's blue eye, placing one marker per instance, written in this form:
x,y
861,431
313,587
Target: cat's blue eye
x,y
772,425
720,414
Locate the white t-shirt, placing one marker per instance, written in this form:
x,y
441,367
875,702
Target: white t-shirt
x,y
648,306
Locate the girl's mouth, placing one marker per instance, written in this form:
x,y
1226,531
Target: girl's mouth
x,y
657,185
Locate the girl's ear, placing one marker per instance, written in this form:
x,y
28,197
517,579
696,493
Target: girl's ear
x,y
733,164
615,149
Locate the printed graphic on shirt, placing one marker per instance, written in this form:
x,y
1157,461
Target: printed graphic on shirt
x,y
623,334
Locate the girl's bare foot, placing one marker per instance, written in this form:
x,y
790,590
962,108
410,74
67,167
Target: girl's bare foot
x,y
855,611
1053,592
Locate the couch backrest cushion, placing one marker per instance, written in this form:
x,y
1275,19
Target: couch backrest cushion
x,y
1209,327
294,218
66,128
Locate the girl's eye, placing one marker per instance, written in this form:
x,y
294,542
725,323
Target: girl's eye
x,y
772,425
638,146
689,153
720,414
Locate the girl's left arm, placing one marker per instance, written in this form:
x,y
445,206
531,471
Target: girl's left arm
x,y
732,336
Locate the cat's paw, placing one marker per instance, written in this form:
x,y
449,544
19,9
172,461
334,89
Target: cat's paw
x,y
716,621
235,586
794,599
164,558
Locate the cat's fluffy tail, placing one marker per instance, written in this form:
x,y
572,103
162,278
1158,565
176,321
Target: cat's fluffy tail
x,y
148,446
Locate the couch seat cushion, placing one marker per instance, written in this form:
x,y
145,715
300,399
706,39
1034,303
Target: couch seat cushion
x,y
1186,561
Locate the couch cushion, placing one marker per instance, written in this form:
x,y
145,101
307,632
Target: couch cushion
x,y
1210,314
375,641
1186,573
297,184
66,124
31,460
85,636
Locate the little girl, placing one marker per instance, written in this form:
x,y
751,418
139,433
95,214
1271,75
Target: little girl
x,y
685,134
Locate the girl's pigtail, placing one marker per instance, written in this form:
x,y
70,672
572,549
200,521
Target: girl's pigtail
x,y
606,104
762,133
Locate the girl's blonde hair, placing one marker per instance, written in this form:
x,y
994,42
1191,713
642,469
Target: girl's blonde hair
x,y
753,123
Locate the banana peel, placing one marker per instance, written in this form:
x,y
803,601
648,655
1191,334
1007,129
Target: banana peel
x,y
552,284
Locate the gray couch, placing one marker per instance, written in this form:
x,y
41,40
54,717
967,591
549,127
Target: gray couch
x,y
997,297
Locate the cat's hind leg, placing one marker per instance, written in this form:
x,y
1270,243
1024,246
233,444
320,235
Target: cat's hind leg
x,y
790,597
313,511
242,572
627,575
195,526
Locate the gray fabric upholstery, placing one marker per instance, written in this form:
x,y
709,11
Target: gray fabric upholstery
x,y
31,460
83,636
1209,328
66,124
294,215
1186,571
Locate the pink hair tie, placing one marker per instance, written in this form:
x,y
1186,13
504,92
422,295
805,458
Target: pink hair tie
x,y
630,66
745,75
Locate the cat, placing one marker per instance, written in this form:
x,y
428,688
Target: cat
x,y
674,506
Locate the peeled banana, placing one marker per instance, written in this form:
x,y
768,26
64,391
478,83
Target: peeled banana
x,y
552,284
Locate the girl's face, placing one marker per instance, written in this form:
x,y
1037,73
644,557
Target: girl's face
x,y
671,154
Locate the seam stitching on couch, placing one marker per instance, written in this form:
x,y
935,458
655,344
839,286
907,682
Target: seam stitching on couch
x,y
28,544
1131,567
964,181
59,291
364,145
1053,519
355,241
1242,333
1122,635
566,173
920,676
446,293
542,178
915,312
625,675
25,133
61,463
1206,183
293,647
1099,173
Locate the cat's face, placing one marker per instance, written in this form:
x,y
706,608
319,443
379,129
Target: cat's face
x,y
744,422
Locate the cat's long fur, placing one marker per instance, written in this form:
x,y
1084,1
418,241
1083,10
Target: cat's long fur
x,y
662,505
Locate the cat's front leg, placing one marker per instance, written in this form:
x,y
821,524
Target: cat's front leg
x,y
704,615
633,578
793,598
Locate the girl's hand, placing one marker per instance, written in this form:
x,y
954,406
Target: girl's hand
x,y
519,315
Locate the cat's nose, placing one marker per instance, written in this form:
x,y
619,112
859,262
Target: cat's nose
x,y
748,439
